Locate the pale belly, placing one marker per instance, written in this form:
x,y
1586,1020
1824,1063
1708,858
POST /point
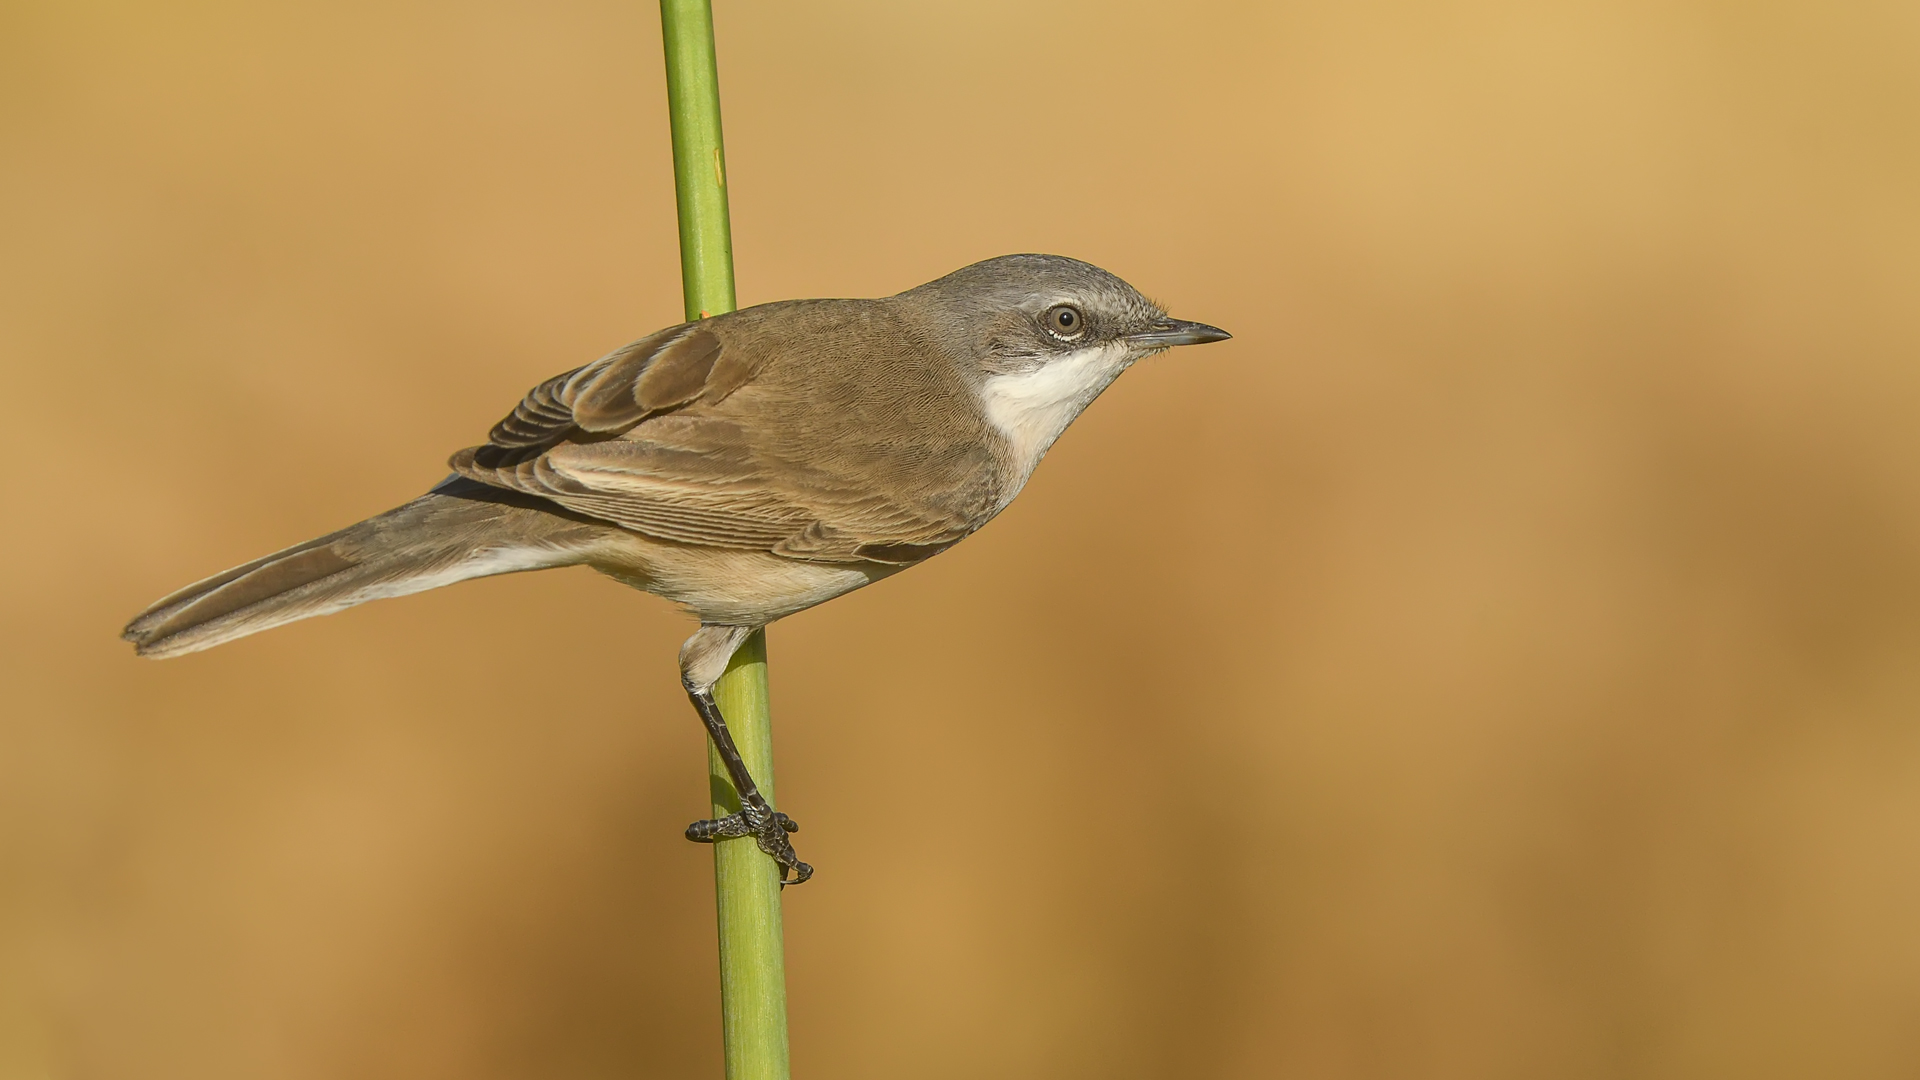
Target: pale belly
x,y
732,588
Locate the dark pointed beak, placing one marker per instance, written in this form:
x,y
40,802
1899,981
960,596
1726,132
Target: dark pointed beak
x,y
1168,332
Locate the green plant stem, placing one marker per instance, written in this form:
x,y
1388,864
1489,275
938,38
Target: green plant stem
x,y
753,968
699,158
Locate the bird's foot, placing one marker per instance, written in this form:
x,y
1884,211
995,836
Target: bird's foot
x,y
769,829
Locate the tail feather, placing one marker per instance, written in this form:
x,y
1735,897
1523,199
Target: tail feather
x,y
459,530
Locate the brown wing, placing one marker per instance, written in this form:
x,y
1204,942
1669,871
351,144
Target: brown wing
x,y
637,438
610,395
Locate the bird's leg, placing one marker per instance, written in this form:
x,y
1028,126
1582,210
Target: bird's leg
x,y
702,660
757,818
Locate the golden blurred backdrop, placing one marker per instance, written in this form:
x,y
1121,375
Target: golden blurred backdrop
x,y
1500,660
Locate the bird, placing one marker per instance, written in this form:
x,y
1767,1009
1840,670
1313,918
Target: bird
x,y
746,466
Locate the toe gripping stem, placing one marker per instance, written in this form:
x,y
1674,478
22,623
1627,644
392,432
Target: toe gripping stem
x,y
732,826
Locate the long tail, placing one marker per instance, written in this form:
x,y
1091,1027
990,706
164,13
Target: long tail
x,y
457,531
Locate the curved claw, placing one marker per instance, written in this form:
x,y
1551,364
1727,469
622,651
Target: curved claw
x,y
772,839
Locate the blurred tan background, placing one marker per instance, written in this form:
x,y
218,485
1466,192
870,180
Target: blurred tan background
x,y
1501,660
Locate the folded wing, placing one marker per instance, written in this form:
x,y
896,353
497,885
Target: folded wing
x,y
638,439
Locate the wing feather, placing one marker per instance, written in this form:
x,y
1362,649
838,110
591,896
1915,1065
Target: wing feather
x,y
633,439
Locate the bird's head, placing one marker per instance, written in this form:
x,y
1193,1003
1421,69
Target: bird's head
x,y
1017,314
1043,335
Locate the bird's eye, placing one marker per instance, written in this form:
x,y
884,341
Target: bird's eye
x,y
1065,320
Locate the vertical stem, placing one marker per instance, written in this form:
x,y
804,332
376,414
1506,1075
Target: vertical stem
x,y
753,970
753,966
699,160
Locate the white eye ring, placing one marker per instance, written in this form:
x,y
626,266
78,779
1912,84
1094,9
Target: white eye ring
x,y
1064,321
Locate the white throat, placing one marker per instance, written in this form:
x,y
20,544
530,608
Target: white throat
x,y
1032,408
